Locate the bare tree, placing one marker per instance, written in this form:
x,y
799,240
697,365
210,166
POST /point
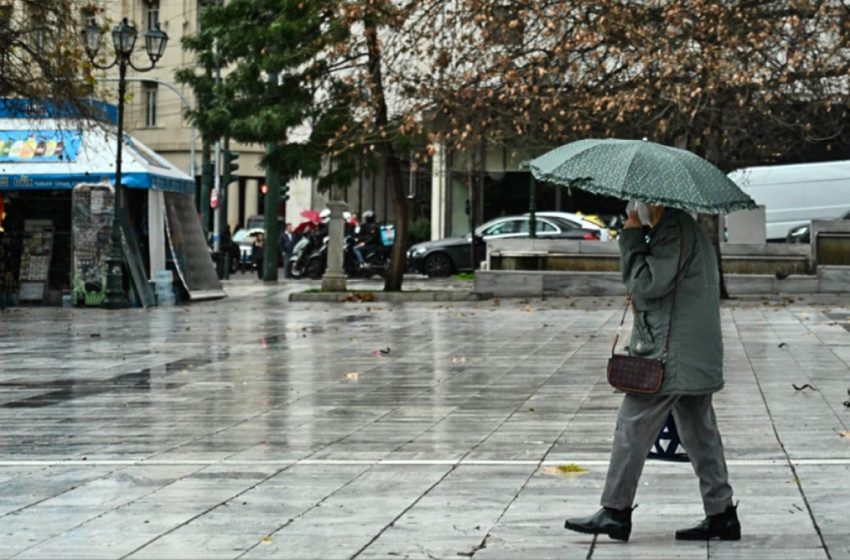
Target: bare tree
x,y
738,83
41,55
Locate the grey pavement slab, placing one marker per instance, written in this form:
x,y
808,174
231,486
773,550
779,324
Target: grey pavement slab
x,y
256,427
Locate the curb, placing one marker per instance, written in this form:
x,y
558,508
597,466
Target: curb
x,y
368,296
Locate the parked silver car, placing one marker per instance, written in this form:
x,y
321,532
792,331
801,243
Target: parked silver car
x,y
447,256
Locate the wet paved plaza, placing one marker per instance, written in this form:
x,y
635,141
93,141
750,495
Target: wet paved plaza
x,y
258,428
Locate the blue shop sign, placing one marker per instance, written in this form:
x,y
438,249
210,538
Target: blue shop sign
x,y
33,146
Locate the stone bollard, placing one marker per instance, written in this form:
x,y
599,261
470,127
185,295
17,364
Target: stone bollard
x,y
334,278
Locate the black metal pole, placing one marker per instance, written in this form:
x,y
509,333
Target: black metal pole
x,y
271,252
532,207
206,187
115,296
470,206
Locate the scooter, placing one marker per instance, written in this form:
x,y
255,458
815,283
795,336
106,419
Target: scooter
x,y
302,252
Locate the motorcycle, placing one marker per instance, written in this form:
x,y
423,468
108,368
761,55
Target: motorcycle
x,y
376,261
375,258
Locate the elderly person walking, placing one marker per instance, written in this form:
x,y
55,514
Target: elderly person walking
x,y
676,256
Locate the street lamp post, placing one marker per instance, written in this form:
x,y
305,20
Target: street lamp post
x,y
123,41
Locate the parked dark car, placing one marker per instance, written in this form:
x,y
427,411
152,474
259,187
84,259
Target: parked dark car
x,y
447,256
799,234
803,234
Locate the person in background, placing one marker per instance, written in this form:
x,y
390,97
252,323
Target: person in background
x,y
368,237
226,239
257,250
226,245
305,228
287,242
349,228
324,223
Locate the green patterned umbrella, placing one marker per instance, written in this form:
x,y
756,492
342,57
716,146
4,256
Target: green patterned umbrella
x,y
642,170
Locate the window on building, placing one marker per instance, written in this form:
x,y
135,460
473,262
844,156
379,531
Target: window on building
x,y
41,19
152,14
149,94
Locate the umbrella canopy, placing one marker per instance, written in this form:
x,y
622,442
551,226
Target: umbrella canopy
x,y
312,215
642,170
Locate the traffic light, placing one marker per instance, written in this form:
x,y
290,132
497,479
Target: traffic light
x,y
230,165
284,192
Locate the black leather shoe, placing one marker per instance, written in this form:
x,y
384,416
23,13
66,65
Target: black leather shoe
x,y
723,526
616,523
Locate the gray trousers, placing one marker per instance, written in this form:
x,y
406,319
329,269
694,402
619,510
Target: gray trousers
x,y
639,421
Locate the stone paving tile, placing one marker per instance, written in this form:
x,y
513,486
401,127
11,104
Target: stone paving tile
x,y
242,523
256,428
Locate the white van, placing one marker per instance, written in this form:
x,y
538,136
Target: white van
x,y
794,195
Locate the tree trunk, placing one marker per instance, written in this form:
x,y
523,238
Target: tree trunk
x,y
395,276
392,165
711,222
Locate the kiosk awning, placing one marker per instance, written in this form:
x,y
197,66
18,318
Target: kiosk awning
x,y
56,154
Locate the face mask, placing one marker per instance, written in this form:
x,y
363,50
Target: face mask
x,y
642,211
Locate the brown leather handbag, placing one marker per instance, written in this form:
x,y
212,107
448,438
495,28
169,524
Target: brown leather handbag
x,y
635,374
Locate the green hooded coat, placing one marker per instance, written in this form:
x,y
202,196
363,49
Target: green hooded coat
x,y
649,265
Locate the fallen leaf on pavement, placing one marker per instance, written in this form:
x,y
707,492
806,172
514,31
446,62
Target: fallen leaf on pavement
x,y
458,360
567,469
352,376
266,540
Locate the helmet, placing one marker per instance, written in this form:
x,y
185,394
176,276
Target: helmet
x,y
346,216
369,217
325,215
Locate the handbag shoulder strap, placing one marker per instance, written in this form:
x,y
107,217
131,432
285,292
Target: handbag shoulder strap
x,y
672,307
622,320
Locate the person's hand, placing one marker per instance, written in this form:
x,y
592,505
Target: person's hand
x,y
632,221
